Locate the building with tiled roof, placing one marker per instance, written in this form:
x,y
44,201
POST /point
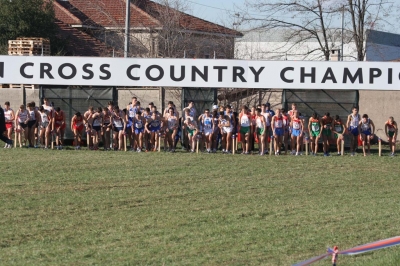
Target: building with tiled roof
x,y
156,30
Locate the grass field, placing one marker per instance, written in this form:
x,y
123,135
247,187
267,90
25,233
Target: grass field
x,y
116,208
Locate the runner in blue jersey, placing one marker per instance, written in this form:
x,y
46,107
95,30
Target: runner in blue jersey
x,y
367,132
153,126
353,125
138,127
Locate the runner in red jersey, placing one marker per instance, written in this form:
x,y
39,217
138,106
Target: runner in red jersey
x,y
278,130
9,119
391,131
59,127
77,126
286,127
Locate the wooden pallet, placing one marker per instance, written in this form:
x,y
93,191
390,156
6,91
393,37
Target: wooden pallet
x,y
26,86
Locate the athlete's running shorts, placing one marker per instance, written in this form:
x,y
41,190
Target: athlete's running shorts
x,y
208,132
97,128
353,130
154,129
118,129
10,125
260,131
244,130
315,133
190,131
139,130
78,128
327,132
296,132
279,131
31,123
366,132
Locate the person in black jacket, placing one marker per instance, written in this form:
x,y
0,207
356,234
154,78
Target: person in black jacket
x,y
3,128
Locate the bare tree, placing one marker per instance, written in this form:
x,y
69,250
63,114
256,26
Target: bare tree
x,y
302,20
319,21
366,14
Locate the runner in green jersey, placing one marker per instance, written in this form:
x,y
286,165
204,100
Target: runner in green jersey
x,y
314,127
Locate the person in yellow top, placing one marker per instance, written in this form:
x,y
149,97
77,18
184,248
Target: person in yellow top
x,y
391,131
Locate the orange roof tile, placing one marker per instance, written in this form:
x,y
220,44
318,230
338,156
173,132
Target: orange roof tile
x,y
79,43
145,14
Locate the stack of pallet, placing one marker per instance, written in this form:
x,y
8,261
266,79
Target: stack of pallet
x,y
29,46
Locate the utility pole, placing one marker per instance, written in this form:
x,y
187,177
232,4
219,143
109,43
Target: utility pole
x,y
342,52
127,26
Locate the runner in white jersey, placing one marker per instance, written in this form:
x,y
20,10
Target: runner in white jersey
x,y
50,111
119,125
9,121
97,127
261,130
44,124
208,130
268,118
192,129
21,124
226,131
353,125
32,124
87,116
244,131
367,132
171,129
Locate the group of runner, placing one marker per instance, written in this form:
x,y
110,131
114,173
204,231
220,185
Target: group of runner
x,y
141,128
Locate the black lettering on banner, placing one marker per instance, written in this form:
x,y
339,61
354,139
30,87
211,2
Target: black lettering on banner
x,y
22,70
182,77
374,73
129,72
257,73
220,74
150,68
61,68
88,71
390,76
238,73
304,75
203,75
283,72
1,69
329,75
45,68
358,75
105,71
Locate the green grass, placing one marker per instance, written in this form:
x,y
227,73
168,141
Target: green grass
x,y
116,208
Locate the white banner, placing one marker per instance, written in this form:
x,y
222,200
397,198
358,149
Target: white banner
x,y
140,72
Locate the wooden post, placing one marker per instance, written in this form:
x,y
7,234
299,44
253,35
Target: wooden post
x,y
125,144
270,145
15,138
306,144
88,139
342,147
380,146
233,143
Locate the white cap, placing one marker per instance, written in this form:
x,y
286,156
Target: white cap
x,y
215,106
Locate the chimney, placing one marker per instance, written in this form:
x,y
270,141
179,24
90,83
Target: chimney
x,y
335,55
140,3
